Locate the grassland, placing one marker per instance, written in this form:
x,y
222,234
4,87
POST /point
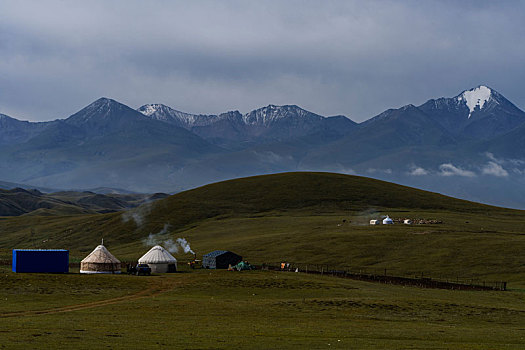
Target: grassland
x,y
250,310
298,217
304,218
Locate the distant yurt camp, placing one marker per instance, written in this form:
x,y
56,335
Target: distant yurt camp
x,y
388,221
220,259
100,261
159,260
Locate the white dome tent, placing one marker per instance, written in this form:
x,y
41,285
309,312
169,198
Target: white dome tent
x,y
388,221
160,260
100,260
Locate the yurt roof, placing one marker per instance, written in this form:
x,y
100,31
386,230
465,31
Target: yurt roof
x,y
157,255
100,255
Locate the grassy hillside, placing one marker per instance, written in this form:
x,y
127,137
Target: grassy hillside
x,y
299,217
315,192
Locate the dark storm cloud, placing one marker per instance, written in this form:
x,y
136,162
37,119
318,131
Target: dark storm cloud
x,y
331,57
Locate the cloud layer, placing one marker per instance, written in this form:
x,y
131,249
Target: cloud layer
x,y
331,57
495,169
452,170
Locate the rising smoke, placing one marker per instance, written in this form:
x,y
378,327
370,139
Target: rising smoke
x,y
138,215
172,246
363,217
155,238
185,245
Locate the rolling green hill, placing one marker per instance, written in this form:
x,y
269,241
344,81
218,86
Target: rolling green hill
x,y
309,218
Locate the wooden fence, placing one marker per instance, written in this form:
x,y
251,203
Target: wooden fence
x,y
419,280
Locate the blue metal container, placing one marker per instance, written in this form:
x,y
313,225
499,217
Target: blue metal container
x,y
41,260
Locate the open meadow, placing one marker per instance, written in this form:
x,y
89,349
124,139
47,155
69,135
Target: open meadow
x,y
316,220
205,309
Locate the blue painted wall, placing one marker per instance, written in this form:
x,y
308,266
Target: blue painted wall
x,y
41,260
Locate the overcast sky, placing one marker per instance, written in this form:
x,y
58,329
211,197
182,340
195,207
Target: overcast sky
x,y
355,58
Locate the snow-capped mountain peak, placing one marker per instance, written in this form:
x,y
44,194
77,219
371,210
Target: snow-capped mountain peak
x,y
262,117
476,97
150,109
267,115
168,114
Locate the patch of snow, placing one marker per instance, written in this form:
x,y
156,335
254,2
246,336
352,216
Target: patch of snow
x,y
149,109
267,115
165,113
475,98
261,117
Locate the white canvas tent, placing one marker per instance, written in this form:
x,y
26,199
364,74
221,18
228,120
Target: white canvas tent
x,y
159,259
387,221
100,260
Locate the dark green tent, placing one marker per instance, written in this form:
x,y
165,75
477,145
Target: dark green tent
x,y
243,265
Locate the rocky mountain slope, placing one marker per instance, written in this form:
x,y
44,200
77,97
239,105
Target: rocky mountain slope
x,y
474,138
261,126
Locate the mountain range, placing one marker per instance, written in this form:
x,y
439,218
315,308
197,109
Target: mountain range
x,y
469,146
19,201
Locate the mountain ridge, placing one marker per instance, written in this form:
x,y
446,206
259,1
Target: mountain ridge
x,y
266,124
489,114
157,148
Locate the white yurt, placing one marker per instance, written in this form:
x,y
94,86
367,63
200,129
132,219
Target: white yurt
x,y
160,260
388,221
100,260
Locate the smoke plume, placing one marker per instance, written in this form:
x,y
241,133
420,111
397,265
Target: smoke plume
x,y
185,245
169,244
155,238
138,214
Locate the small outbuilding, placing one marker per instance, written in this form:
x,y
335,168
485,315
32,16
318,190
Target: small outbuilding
x,y
220,259
388,221
375,222
100,260
159,260
41,260
407,222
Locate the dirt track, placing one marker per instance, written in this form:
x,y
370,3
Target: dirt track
x,y
158,288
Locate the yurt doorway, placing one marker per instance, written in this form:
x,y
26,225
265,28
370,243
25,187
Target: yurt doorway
x,y
172,268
